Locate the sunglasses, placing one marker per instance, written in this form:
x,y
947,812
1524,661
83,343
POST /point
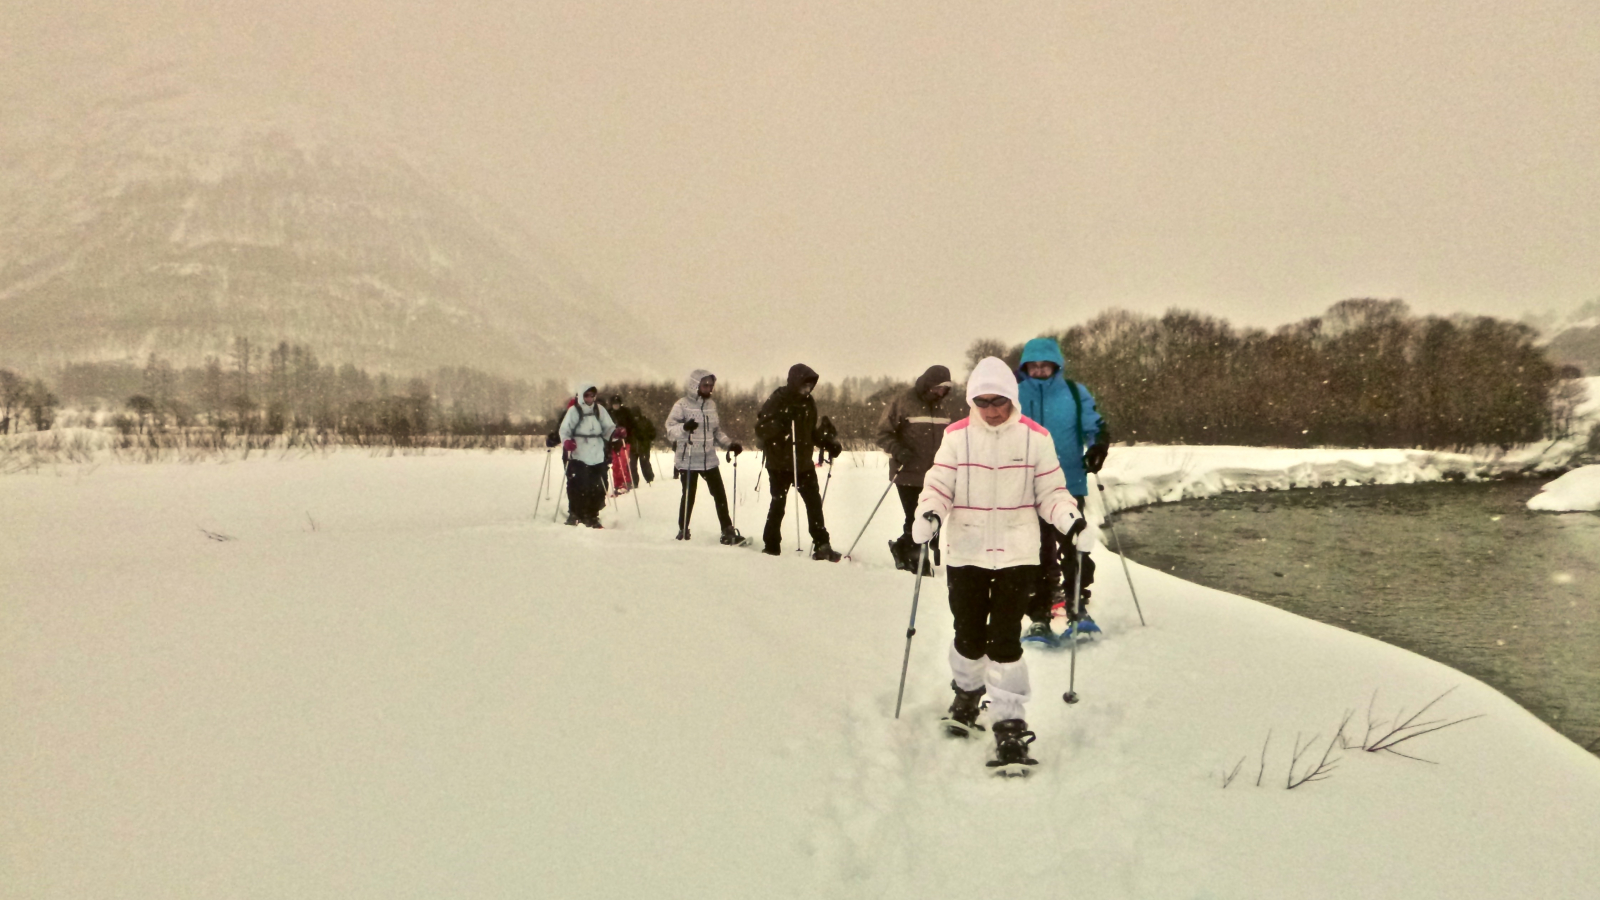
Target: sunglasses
x,y
981,403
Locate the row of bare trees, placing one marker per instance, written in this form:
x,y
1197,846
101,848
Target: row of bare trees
x,y
1367,373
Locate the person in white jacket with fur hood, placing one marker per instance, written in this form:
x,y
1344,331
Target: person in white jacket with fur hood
x,y
584,431
696,434
994,477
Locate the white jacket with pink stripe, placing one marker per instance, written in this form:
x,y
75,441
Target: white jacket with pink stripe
x,y
990,486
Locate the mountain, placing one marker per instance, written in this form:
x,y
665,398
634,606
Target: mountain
x,y
1575,341
167,212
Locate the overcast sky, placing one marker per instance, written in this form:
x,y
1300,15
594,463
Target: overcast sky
x,y
866,187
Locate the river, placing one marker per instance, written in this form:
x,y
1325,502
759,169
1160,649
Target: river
x,y
1461,573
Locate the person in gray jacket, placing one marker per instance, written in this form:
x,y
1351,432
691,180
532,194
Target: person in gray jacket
x,y
697,437
584,431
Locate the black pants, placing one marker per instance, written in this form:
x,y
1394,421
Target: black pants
x,y
586,489
713,480
987,605
908,501
1056,571
640,458
781,480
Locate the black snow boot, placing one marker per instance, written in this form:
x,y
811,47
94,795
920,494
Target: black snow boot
x,y
1011,740
824,551
592,522
732,538
904,553
772,550
572,518
962,719
683,533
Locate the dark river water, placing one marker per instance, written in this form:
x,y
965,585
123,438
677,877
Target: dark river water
x,y
1461,573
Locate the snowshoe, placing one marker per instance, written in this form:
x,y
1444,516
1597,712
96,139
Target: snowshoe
x,y
825,551
1011,740
1040,633
732,538
962,719
1084,627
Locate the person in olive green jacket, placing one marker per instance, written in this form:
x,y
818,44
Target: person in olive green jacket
x,y
910,429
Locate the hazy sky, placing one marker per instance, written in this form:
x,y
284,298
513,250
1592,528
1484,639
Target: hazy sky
x,y
868,186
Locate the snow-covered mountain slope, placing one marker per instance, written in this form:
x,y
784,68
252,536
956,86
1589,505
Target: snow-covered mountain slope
x,y
353,676
165,210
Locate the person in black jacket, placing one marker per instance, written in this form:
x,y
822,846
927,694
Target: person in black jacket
x,y
787,427
641,433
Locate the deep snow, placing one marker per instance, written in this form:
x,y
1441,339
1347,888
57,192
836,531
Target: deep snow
x,y
354,676
1576,491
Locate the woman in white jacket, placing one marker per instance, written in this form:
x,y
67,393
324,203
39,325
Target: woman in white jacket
x,y
584,431
994,477
696,434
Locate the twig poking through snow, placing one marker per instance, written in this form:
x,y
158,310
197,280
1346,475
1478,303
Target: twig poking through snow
x,y
1228,778
1411,728
217,536
1324,766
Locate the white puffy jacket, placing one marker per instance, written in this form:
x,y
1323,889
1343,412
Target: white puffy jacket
x,y
990,485
589,426
695,451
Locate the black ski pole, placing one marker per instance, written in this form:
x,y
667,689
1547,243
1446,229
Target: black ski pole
x,y
826,483
911,629
1071,696
794,445
635,487
566,478
761,470
1112,525
733,458
868,522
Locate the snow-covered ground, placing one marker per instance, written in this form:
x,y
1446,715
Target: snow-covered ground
x,y
1576,491
354,676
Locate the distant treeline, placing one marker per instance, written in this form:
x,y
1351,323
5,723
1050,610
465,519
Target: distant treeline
x,y
1367,373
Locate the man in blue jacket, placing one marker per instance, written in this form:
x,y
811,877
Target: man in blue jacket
x,y
1066,409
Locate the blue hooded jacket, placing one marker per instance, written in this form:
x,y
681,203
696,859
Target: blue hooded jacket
x,y
1062,411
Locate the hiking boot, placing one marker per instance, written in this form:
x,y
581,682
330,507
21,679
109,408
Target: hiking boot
x,y
731,537
772,550
683,534
962,719
1011,740
824,551
592,522
572,519
1039,632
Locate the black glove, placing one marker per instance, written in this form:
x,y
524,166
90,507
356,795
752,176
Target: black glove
x,y
1078,526
905,456
736,448
1095,456
552,439
835,449
690,426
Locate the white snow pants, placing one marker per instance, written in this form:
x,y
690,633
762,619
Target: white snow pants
x,y
1005,684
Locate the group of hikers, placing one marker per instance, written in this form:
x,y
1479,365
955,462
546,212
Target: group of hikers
x,y
1001,491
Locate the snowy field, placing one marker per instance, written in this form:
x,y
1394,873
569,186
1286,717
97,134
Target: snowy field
x,y
353,676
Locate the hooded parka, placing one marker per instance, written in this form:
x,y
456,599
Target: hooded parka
x,y
786,412
696,451
590,425
990,485
1066,409
911,427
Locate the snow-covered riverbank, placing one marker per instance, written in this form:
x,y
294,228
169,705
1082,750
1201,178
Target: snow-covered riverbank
x,y
348,676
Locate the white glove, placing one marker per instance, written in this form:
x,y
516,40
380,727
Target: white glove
x,y
1089,538
921,530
